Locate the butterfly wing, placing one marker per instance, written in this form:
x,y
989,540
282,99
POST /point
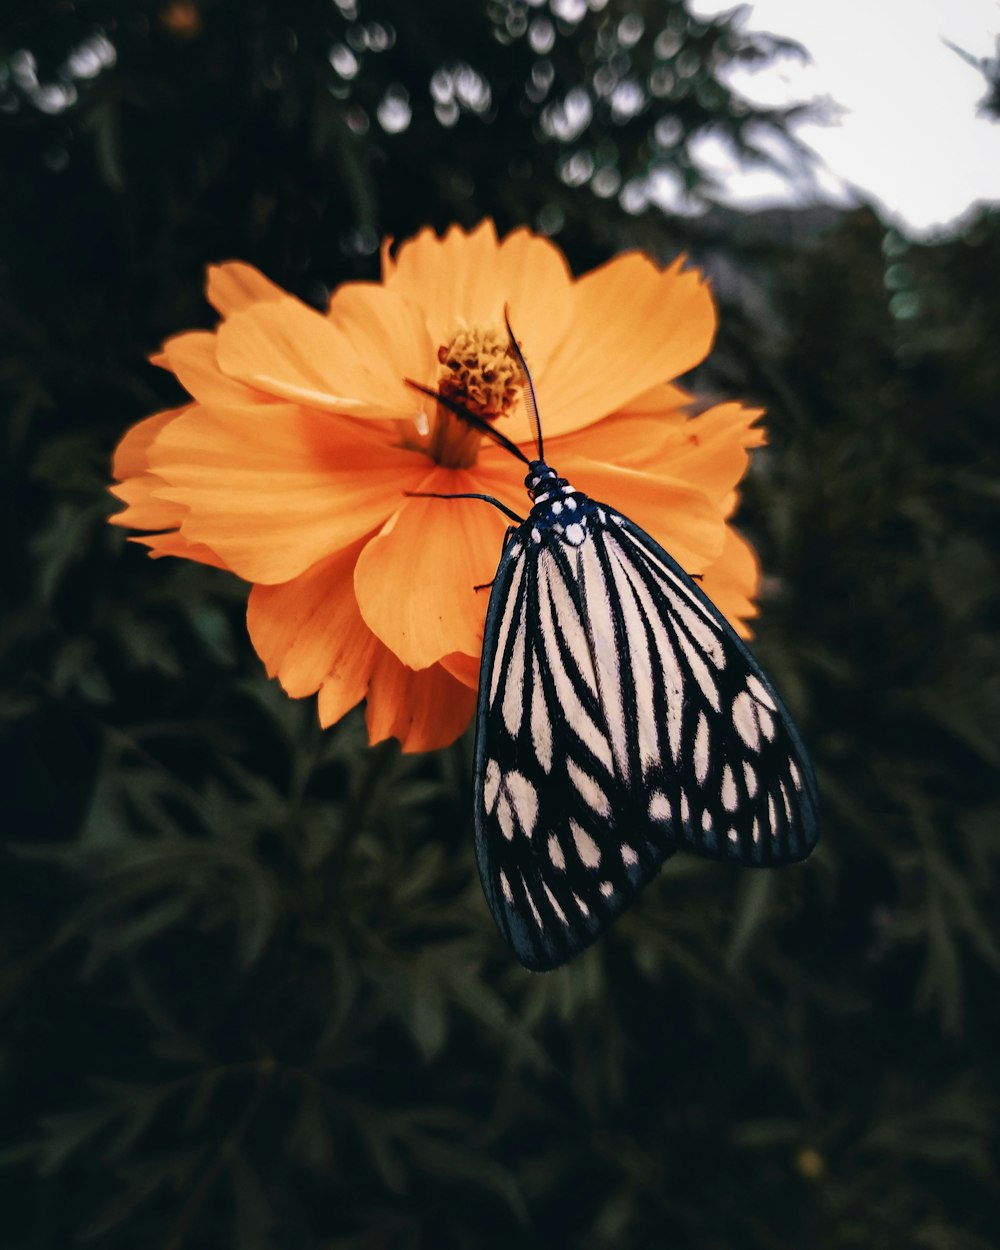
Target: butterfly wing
x,y
728,776
549,799
619,719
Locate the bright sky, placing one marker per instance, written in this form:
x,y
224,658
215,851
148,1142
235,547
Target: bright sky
x,y
910,136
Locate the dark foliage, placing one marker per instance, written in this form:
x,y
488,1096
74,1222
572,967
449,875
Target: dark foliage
x,y
251,993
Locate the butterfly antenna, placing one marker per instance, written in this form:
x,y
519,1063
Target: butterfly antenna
x,y
529,395
471,418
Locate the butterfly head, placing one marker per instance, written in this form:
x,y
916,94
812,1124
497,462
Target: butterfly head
x,y
561,512
543,482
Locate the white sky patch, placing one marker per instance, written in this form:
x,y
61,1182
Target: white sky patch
x,y
909,136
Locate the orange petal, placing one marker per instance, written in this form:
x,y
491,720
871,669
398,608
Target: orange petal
x,y
708,451
416,581
309,633
467,277
145,510
425,710
338,694
666,400
274,488
234,285
634,326
635,442
712,452
192,357
131,456
464,668
643,427
291,351
175,544
733,581
136,486
386,331
681,518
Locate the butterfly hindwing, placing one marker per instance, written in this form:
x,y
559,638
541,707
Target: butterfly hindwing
x,y
620,718
735,780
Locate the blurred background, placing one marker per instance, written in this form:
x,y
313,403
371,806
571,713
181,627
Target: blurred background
x,y
250,992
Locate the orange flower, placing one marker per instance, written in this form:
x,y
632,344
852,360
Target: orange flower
x,y
291,464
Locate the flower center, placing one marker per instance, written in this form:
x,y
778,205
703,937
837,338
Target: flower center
x,y
480,373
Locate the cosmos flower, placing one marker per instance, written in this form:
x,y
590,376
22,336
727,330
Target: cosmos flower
x,y
292,463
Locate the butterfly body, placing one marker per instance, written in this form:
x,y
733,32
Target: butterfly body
x,y
620,719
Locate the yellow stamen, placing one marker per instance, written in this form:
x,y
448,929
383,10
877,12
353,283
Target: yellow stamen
x,y
483,377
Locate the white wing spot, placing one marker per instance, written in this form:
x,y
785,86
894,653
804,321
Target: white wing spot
x,y
785,800
750,777
636,644
505,816
531,903
556,508
759,693
491,783
629,857
513,695
701,749
756,831
766,722
570,503
589,790
796,779
685,809
524,798
771,813
508,893
514,550
575,533
584,909
503,633
556,853
706,822
607,889
675,701
561,617
745,720
730,797
734,837
565,621
541,724
555,906
586,847
535,538
700,670
700,630
603,643
659,806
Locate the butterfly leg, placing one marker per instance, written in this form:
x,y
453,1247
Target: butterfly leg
x,y
430,494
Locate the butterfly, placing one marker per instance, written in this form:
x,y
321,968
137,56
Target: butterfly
x,y
619,719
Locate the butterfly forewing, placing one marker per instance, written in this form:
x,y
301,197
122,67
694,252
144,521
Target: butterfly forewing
x,y
620,718
551,805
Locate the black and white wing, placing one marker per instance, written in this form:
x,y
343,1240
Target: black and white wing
x,y
620,718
